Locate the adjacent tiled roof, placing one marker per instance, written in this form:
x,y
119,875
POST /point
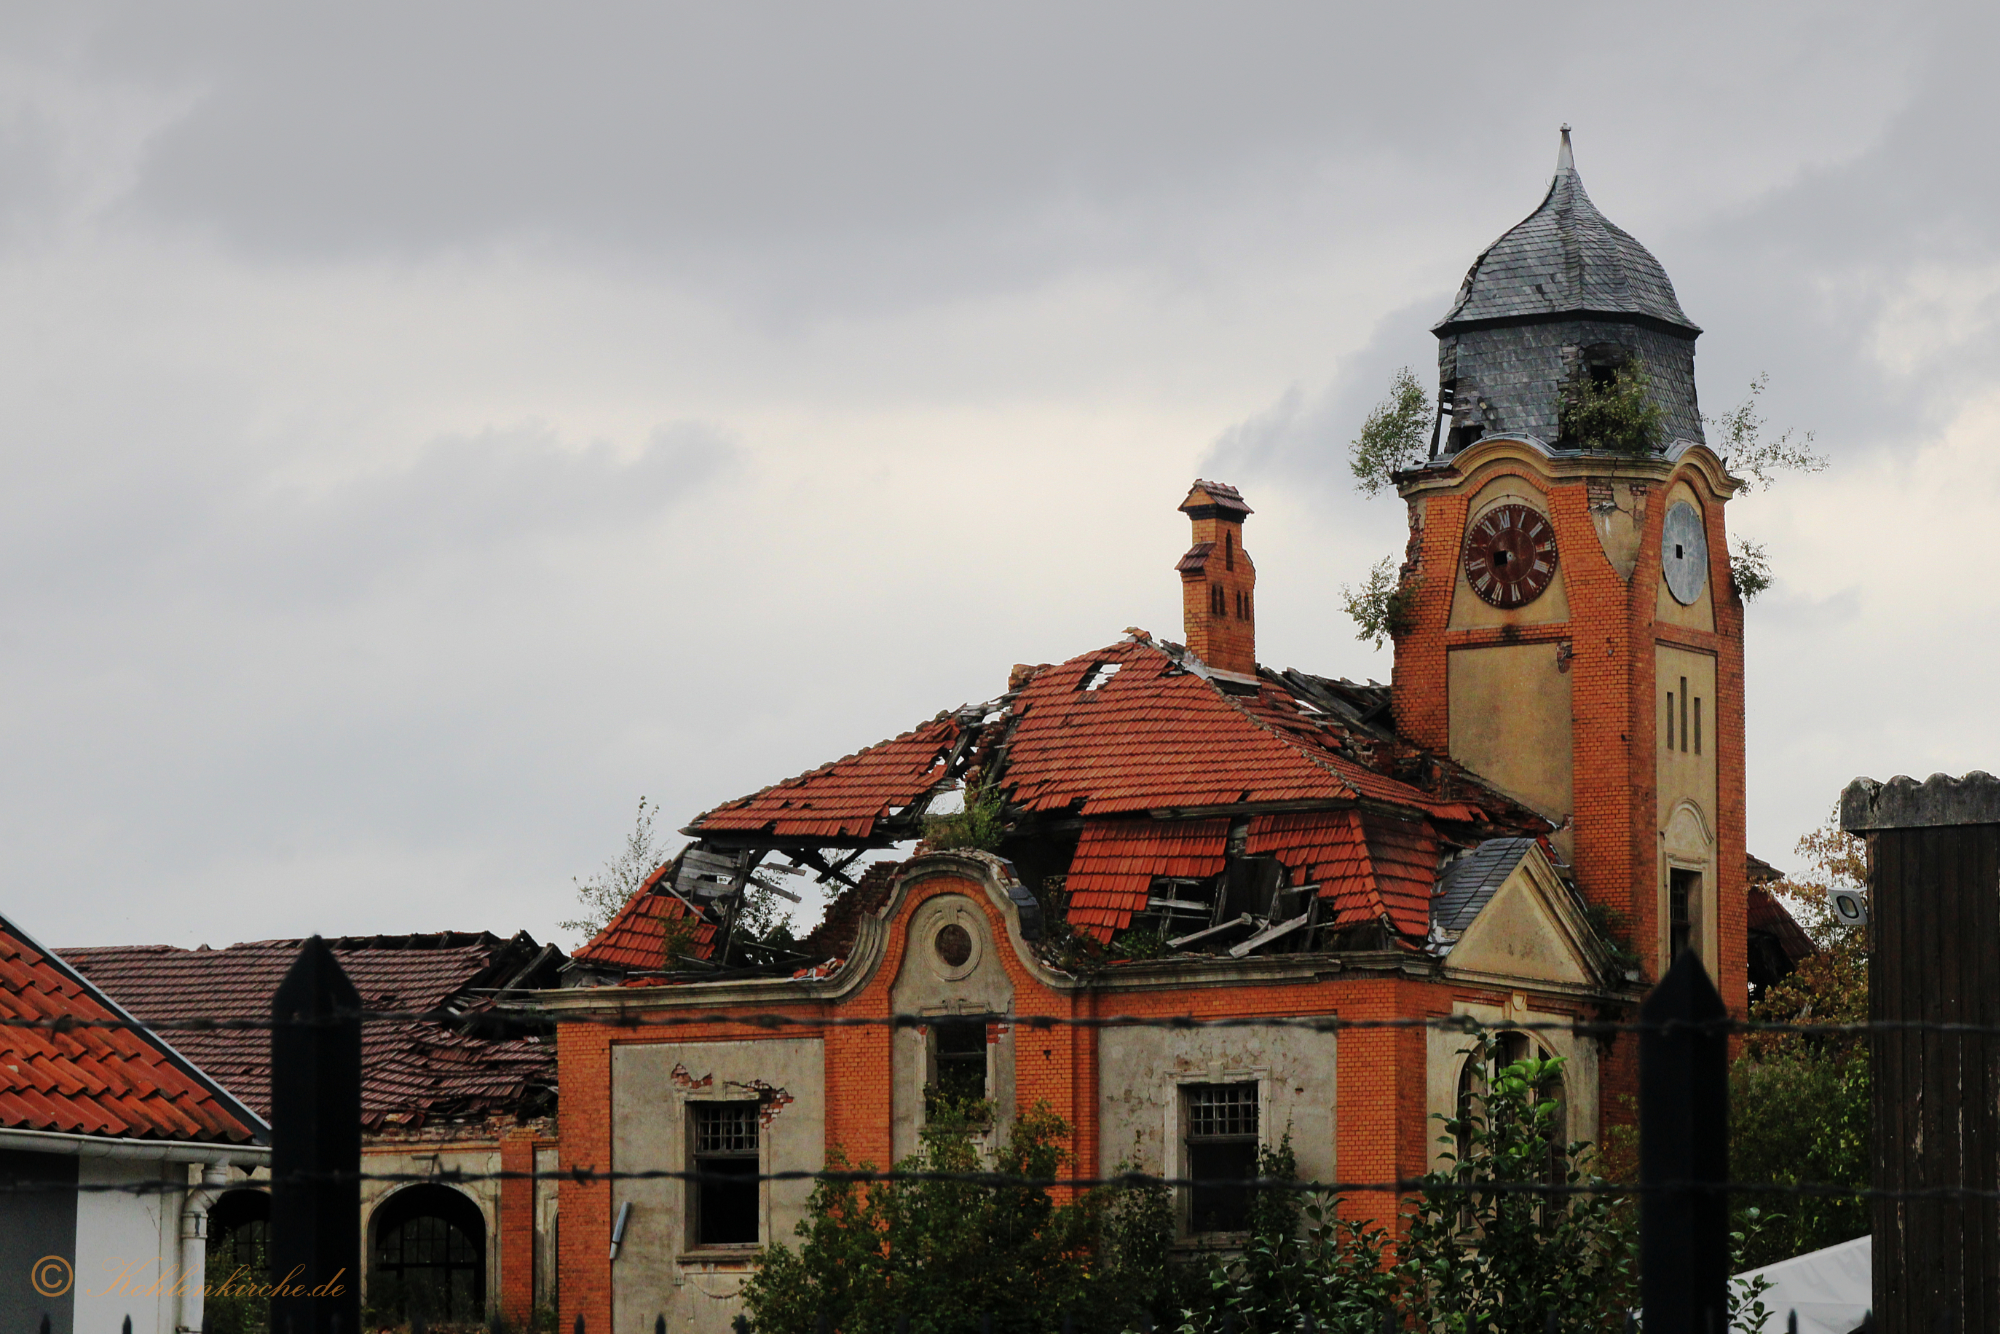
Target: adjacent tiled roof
x,y
1767,914
846,798
1159,736
118,1083
1469,883
636,936
1565,257
1116,861
411,1073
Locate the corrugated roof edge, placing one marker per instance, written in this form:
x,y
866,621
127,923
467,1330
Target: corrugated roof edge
x,y
259,1128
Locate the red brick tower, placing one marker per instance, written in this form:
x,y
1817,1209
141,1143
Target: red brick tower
x,y
1571,631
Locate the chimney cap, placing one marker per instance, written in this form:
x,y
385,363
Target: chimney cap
x,y
1208,500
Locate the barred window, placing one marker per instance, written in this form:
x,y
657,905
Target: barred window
x,y
725,1157
1221,1149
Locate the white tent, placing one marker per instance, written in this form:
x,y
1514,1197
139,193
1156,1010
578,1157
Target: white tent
x,y
1829,1289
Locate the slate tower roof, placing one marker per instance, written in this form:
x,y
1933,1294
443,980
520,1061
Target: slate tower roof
x,y
1563,259
1563,294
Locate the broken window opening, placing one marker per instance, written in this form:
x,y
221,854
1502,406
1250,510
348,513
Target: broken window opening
x,y
1221,1155
1684,714
1216,605
725,1159
1683,900
958,1065
1697,724
1670,720
1228,550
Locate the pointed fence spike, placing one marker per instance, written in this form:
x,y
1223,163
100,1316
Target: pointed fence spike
x,y
660,1324
579,1322
1792,1322
45,1322
902,1323
821,1325
128,1325
985,1322
741,1324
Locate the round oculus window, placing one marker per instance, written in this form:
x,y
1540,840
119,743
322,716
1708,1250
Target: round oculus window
x,y
1684,552
953,944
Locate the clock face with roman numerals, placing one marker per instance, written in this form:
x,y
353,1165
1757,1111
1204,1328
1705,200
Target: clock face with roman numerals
x,y
1510,555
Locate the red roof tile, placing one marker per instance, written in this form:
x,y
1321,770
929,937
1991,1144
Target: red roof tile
x,y
411,1074
1367,867
1116,861
636,937
115,1082
843,799
1156,735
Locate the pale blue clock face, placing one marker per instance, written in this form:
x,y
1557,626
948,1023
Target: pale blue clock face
x,y
1684,552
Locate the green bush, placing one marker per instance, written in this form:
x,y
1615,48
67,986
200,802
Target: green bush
x,y
1619,416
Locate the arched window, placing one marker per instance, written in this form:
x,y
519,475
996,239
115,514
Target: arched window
x,y
429,1257
238,1262
1509,1048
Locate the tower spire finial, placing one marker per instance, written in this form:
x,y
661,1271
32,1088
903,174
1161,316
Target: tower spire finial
x,y
1564,162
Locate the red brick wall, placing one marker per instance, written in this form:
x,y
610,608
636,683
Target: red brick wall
x,y
1225,639
517,1227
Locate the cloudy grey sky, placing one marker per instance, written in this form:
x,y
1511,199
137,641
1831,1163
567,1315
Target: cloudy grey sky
x,y
426,429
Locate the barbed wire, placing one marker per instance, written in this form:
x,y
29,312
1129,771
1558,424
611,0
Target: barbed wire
x,y
1432,1184
528,1020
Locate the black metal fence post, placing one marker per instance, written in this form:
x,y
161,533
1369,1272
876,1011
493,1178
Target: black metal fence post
x,y
1684,1154
315,1245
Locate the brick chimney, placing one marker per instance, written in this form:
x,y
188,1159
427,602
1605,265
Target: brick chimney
x,y
1218,582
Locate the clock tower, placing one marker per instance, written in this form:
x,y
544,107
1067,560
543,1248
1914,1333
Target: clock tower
x,y
1570,629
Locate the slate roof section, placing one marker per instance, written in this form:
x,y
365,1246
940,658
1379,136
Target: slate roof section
x,y
117,1083
411,1074
847,798
1565,258
1469,883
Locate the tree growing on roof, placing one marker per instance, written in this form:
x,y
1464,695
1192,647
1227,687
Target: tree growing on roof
x,y
1800,1107
1392,438
612,888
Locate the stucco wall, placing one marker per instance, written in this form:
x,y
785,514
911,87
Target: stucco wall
x,y
127,1247
1142,1070
1687,793
1510,721
1446,1053
925,984
658,1273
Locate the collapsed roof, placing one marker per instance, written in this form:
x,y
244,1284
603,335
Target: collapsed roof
x,y
413,1075
1149,801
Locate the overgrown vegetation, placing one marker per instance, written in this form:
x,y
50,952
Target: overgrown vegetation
x,y
1617,414
1740,440
979,826
1383,607
943,1255
1394,437
1800,1106
612,888
1491,1258
1749,568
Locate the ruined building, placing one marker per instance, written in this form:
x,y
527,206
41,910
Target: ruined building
x,y
1540,812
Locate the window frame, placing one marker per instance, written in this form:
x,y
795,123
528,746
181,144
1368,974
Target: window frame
x,y
1186,1143
697,1109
